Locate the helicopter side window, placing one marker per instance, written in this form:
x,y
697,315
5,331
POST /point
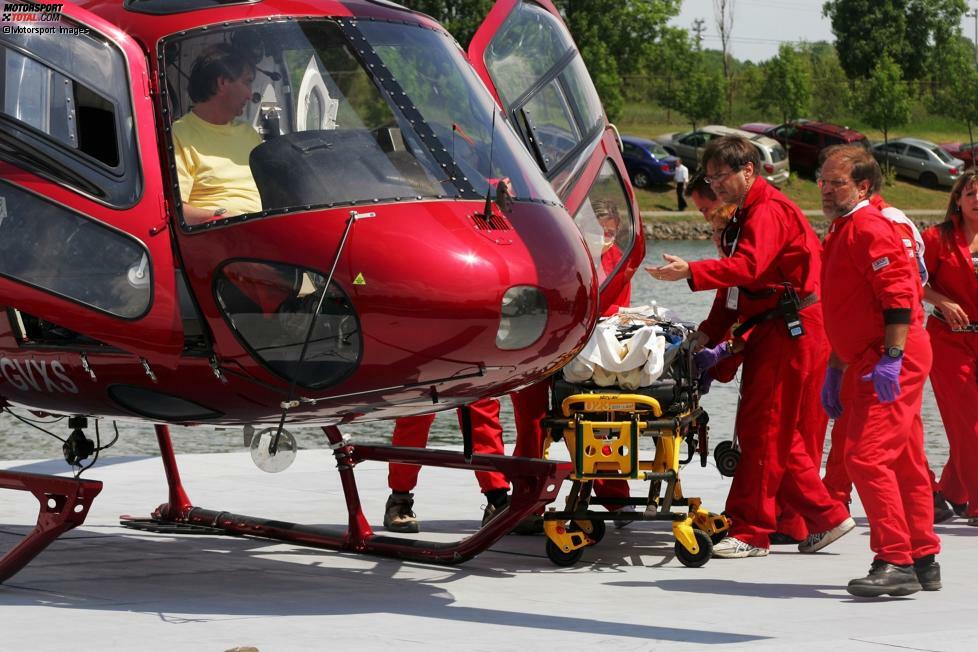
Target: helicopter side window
x,y
544,84
605,220
59,251
271,306
65,112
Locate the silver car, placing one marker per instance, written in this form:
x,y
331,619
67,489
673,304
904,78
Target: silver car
x,y
689,146
920,160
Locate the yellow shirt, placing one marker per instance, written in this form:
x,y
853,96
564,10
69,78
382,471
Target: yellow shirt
x,y
212,164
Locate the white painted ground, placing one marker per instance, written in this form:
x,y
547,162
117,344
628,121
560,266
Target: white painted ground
x,y
103,587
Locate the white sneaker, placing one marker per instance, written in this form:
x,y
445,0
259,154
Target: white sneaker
x,y
819,540
734,548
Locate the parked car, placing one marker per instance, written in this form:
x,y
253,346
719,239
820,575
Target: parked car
x,y
963,151
647,162
689,147
920,160
805,139
758,127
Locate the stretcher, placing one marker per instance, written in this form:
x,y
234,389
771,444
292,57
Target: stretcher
x,y
647,433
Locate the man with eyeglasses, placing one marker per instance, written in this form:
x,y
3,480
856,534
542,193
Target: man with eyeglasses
x,y
880,350
771,273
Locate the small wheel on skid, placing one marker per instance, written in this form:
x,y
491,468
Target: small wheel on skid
x,y
696,560
726,457
561,558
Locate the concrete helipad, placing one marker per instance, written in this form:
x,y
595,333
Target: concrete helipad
x,y
103,587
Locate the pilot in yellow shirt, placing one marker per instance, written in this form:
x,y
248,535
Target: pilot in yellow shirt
x,y
212,165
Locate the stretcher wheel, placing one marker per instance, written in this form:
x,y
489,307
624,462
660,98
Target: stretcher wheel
x,y
598,529
727,457
561,558
715,538
695,561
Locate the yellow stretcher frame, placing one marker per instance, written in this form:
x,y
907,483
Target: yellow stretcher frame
x,y
609,449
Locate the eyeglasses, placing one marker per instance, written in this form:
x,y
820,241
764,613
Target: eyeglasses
x,y
834,183
712,179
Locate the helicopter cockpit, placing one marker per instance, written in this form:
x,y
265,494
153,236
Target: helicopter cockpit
x,y
418,125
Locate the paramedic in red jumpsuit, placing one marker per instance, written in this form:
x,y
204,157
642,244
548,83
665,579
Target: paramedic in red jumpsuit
x,y
951,255
836,477
791,527
781,373
487,438
874,320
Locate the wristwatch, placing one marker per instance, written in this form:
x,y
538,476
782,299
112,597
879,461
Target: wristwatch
x,y
894,352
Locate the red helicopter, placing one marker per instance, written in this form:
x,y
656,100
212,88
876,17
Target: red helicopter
x,y
424,236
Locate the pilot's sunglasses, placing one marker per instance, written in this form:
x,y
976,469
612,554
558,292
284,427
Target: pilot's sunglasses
x,y
712,179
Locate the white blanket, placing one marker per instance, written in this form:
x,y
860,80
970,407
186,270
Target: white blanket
x,y
629,363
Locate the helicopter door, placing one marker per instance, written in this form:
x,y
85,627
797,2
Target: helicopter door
x,y
84,242
526,56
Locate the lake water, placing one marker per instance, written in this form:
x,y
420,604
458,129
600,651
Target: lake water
x,y
19,441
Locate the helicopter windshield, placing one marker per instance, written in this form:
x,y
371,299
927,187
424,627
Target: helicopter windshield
x,y
340,112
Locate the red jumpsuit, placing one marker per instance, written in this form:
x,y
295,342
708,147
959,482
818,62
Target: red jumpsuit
x,y
869,279
954,376
781,375
836,478
487,437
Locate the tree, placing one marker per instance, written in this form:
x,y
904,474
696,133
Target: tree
x,y
908,31
612,35
885,100
831,95
701,96
460,17
675,58
723,11
957,86
787,86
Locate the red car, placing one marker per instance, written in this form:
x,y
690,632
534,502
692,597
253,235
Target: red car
x,y
963,151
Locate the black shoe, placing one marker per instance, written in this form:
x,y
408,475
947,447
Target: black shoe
x,y
497,503
782,539
959,508
885,579
928,573
941,510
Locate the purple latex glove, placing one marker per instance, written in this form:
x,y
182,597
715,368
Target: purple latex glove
x,y
707,358
831,387
886,378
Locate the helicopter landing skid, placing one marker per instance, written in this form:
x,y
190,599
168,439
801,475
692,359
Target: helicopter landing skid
x,y
535,484
64,504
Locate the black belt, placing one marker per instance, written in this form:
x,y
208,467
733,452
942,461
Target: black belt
x,y
751,322
970,328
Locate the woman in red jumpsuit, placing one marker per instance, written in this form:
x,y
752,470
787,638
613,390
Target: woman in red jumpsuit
x,y
951,255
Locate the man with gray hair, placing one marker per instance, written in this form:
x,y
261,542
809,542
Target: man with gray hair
x,y
874,322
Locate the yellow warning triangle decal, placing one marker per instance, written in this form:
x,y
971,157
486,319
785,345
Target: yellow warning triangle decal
x,y
359,280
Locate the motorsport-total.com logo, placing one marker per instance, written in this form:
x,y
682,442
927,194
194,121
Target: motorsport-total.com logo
x,y
35,18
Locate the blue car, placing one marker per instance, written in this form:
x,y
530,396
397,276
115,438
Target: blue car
x,y
647,162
